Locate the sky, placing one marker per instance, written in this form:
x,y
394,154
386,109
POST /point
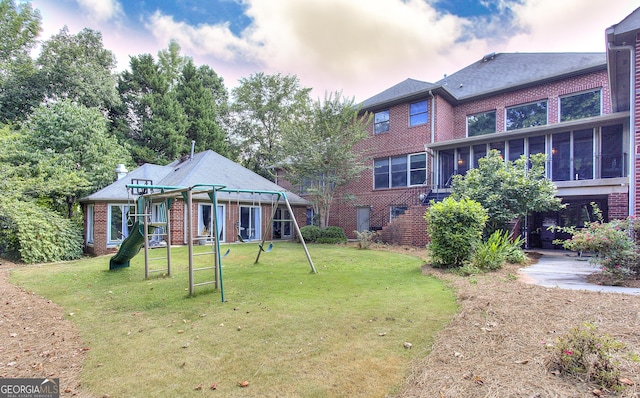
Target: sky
x,y
357,47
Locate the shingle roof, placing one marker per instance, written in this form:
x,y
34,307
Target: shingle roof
x,y
492,74
206,167
629,24
405,89
503,71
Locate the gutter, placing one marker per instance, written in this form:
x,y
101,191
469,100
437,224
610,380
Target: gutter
x,y
632,126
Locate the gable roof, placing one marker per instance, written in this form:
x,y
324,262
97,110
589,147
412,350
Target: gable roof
x,y
206,167
494,73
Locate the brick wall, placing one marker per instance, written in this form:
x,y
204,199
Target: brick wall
x,y
177,214
409,229
618,205
636,118
550,92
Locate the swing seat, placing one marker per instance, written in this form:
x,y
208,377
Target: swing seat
x,y
268,249
226,253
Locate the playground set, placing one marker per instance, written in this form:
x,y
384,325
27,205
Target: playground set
x,y
142,229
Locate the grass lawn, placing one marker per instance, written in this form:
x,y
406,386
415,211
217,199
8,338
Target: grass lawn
x,y
288,332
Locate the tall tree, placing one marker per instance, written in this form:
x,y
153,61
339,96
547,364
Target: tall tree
x,y
151,119
508,190
79,68
19,28
197,92
262,104
318,148
168,103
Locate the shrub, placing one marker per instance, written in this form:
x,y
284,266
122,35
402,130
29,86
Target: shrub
x,y
310,233
35,235
365,238
583,353
611,243
455,228
498,249
332,235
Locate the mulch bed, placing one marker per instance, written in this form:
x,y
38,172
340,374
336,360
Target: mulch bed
x,y
37,341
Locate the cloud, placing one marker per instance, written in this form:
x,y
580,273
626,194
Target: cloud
x,y
364,46
101,10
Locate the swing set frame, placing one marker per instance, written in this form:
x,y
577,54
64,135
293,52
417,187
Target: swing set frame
x,y
170,193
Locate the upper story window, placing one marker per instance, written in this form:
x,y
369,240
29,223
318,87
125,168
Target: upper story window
x,y
381,122
528,115
400,171
481,123
578,106
418,113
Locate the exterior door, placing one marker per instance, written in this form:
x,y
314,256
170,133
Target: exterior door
x,y
363,216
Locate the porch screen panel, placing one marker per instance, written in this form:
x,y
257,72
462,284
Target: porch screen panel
x,y
612,155
583,154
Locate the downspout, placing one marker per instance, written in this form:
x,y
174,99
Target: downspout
x,y
433,133
632,126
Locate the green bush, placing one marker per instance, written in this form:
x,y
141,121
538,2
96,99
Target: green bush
x,y
611,243
332,235
498,249
310,233
455,229
587,355
36,235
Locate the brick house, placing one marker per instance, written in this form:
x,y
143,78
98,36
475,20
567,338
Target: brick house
x,y
242,214
574,107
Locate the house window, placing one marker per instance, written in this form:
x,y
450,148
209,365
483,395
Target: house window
x,y
418,169
205,219
250,225
578,106
381,122
118,222
90,223
481,123
400,171
397,211
418,113
282,224
528,115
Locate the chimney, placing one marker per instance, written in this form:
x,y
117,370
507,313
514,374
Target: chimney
x,y
121,171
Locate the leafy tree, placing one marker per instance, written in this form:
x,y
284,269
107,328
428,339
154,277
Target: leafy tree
x,y
318,148
67,153
262,104
79,68
508,190
19,27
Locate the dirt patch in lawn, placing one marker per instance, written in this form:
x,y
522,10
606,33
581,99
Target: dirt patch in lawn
x,y
36,339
